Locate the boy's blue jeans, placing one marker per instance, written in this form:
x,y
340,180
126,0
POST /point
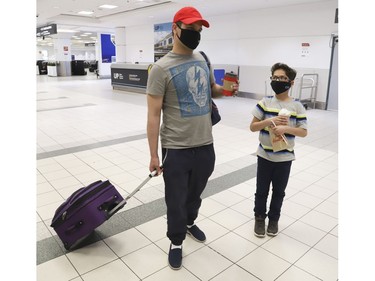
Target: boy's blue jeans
x,y
276,173
185,173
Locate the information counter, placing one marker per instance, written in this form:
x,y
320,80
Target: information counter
x,y
129,76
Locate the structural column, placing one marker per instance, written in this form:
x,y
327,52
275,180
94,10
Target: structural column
x,y
120,39
63,54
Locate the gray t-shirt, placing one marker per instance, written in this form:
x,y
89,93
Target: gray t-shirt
x,y
184,81
269,107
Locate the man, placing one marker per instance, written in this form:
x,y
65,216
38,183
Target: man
x,y
180,84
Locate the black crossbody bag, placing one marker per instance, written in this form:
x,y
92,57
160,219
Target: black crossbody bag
x,y
215,116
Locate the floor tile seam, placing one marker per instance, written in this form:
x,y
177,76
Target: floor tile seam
x,y
326,232
71,263
55,190
293,265
316,147
318,227
295,262
192,273
91,270
326,200
234,193
253,274
308,186
220,254
308,251
226,208
312,182
274,254
66,107
314,246
58,190
132,252
239,211
91,146
304,270
299,219
314,208
155,272
232,231
102,265
223,226
120,259
48,99
319,175
48,227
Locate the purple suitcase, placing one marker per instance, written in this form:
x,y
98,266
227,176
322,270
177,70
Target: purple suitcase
x,y
86,209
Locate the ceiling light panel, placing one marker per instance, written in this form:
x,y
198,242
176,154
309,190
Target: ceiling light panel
x,y
106,6
85,12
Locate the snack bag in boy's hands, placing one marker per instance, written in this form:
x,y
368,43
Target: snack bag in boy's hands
x,y
279,142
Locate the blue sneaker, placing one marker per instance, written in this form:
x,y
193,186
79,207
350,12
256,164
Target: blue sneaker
x,y
175,257
195,233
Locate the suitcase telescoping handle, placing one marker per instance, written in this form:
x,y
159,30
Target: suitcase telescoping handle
x,y
123,202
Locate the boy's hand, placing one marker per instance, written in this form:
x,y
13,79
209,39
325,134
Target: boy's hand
x,y
279,130
280,120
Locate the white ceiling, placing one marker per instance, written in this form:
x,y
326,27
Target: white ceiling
x,y
133,12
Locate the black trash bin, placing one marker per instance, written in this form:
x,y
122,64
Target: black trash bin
x,y
42,66
78,67
93,66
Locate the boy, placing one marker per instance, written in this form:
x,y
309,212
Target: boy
x,y
274,166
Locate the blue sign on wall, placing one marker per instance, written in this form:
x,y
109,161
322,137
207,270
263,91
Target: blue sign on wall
x,y
219,76
108,48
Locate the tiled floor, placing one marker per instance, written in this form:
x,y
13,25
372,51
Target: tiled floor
x,y
86,131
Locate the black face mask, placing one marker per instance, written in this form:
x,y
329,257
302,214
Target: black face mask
x,y
190,38
280,86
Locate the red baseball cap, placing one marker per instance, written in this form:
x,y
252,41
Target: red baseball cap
x,y
189,15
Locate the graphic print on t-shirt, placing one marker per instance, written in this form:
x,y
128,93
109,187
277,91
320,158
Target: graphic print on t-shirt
x,y
192,87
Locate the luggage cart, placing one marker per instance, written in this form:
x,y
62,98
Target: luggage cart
x,y
308,81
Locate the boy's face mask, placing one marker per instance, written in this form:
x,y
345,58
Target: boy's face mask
x,y
190,38
280,86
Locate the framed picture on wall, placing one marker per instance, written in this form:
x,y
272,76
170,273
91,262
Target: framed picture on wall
x,y
163,39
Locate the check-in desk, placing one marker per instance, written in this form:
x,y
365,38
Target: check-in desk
x,y
129,76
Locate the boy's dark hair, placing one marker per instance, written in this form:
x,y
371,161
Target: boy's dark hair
x,y
290,72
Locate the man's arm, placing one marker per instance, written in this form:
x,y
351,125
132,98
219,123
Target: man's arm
x,y
216,90
154,105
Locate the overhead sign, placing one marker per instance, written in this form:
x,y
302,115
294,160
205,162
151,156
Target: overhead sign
x,y
46,30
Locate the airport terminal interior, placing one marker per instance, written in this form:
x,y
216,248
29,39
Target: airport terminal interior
x,y
87,131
